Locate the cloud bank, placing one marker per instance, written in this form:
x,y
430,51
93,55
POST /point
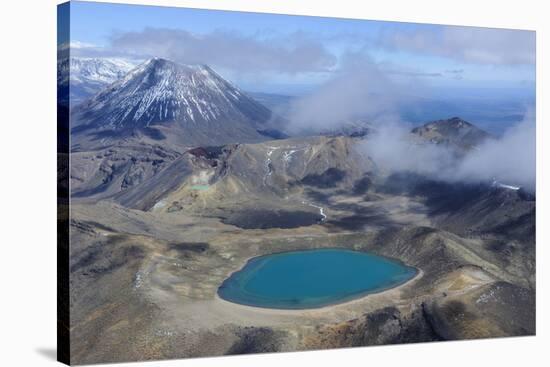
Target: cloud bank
x,y
232,50
510,160
466,44
363,90
360,90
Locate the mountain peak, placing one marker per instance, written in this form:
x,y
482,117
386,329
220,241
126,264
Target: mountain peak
x,y
161,63
453,122
158,62
158,65
451,125
456,122
454,131
190,98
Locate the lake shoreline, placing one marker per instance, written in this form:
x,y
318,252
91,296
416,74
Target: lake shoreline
x,y
325,307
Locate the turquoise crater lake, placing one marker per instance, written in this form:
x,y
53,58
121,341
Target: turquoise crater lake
x,y
312,278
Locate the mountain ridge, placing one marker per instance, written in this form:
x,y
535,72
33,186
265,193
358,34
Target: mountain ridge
x,y
87,76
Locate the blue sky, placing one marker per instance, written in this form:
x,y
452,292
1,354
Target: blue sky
x,y
95,22
295,54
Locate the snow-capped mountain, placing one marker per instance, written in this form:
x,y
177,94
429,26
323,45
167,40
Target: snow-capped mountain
x,y
88,76
187,104
99,70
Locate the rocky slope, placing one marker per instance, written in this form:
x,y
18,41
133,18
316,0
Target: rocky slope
x,y
101,173
156,230
271,172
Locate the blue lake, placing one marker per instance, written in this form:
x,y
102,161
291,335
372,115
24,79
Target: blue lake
x,y
312,278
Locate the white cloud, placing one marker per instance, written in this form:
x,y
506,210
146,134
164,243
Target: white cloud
x,y
466,44
509,159
359,90
294,53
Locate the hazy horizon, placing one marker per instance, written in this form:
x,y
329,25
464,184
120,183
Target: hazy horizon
x,y
295,54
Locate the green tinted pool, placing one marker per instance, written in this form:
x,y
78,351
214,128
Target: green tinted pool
x,y
200,187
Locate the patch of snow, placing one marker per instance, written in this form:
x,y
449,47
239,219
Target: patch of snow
x,y
505,186
486,297
268,164
165,333
138,282
509,187
159,205
202,178
287,156
321,209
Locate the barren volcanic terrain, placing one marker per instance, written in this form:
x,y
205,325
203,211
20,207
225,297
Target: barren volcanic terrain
x,y
156,228
148,260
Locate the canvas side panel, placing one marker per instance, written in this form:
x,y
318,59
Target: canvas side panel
x,y
63,192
